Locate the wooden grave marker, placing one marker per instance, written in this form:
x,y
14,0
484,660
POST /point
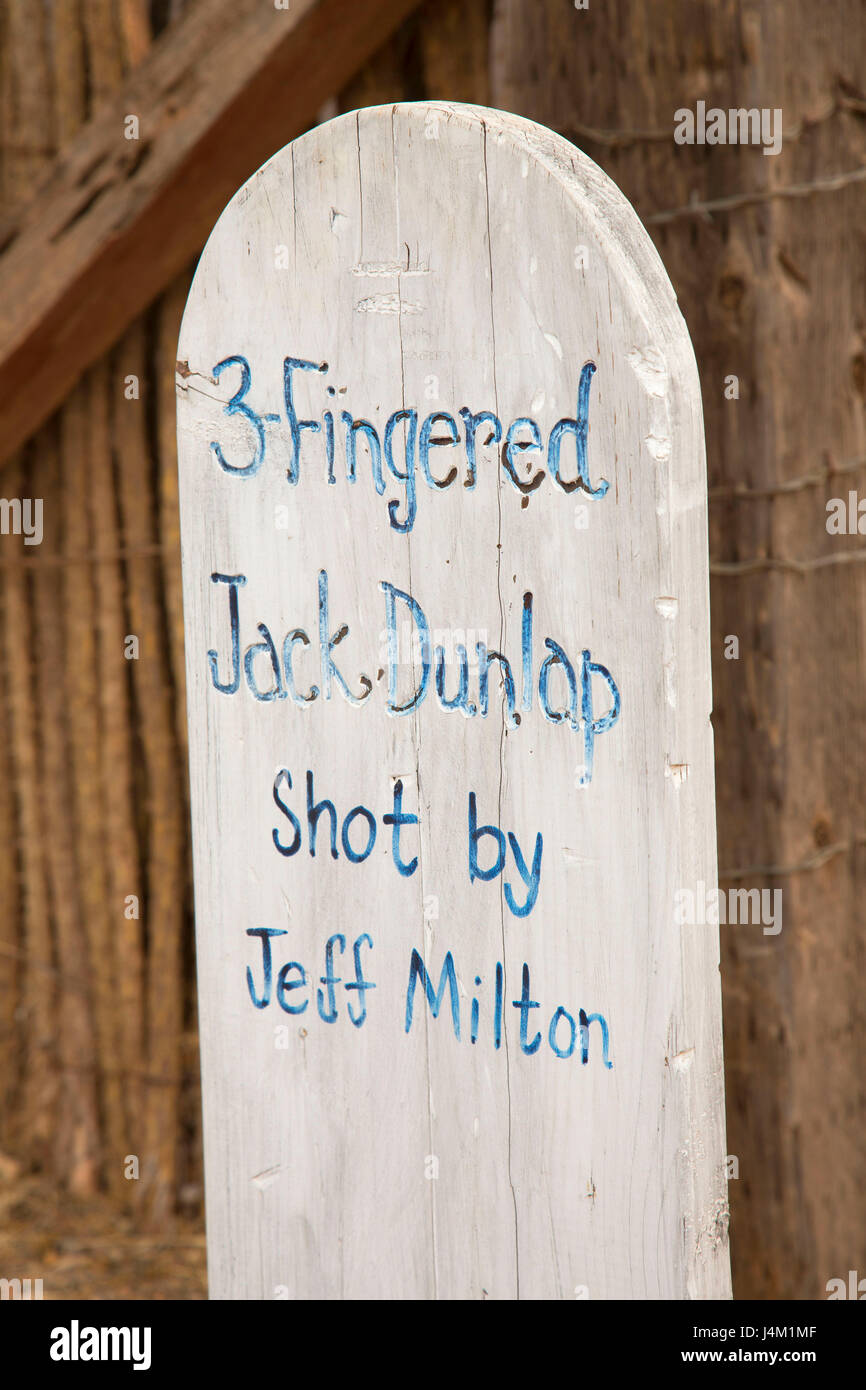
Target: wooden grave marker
x,y
443,510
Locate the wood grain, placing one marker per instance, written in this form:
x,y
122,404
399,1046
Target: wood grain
x,y
773,291
429,255
28,146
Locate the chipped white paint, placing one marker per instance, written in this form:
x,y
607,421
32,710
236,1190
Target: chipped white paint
x,y
682,1061
388,304
648,365
329,1170
572,856
263,1180
677,772
659,447
666,607
389,268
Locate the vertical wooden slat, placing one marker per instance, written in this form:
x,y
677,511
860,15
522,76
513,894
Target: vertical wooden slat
x,y
103,29
168,316
103,711
76,1136
135,29
4,96
27,99
36,1119
119,818
163,808
28,143
148,487
83,698
11,940
11,943
167,319
80,671
392,74
454,40
70,83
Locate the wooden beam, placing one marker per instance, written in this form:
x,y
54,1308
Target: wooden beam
x,y
118,218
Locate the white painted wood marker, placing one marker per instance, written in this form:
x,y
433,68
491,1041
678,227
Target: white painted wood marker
x,y
443,506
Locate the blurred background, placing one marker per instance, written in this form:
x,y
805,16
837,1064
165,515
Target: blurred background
x,y
99,232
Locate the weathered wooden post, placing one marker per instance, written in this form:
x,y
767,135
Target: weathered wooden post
x,y
443,506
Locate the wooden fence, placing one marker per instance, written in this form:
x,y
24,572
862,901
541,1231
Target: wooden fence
x,y
98,1055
